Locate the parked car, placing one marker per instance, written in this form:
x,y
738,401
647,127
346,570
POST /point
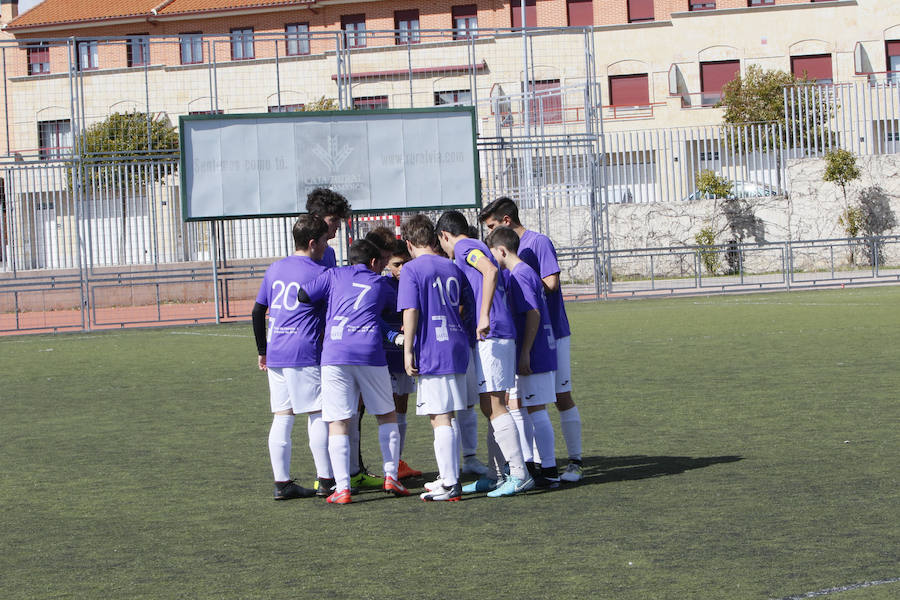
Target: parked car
x,y
742,189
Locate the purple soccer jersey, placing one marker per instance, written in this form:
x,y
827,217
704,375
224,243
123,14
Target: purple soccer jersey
x,y
328,259
526,292
294,333
435,287
501,321
537,250
356,298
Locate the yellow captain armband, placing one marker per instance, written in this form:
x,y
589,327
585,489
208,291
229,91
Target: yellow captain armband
x,y
473,256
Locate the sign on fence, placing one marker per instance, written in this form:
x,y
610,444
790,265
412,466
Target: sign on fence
x,y
265,164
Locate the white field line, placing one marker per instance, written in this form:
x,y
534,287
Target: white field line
x,y
209,334
843,588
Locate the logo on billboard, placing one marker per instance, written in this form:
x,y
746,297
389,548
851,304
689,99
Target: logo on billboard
x,y
332,156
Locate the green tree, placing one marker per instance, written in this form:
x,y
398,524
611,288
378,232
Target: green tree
x,y
841,169
112,158
321,104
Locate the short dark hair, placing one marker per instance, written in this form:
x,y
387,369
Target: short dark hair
x,y
499,208
327,203
383,238
306,229
419,231
362,252
503,236
401,250
453,222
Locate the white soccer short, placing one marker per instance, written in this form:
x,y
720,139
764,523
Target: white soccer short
x,y
401,383
439,394
563,366
472,380
343,384
535,389
496,364
295,388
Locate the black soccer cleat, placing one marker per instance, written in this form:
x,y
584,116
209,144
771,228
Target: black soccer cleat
x,y
288,490
324,487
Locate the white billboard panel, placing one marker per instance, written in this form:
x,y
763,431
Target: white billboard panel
x,y
265,164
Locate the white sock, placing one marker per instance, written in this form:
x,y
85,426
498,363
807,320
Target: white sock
x,y
496,462
444,451
468,430
353,431
455,454
544,438
526,432
570,423
389,439
317,429
339,451
401,425
280,446
507,437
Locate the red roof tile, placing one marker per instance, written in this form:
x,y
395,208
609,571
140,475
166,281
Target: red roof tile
x,y
61,12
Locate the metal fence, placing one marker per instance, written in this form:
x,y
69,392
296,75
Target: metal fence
x,y
89,225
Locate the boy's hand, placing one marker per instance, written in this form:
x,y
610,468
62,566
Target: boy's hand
x,y
524,365
484,327
262,362
409,362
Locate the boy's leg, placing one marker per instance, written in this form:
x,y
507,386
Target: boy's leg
x,y
282,401
467,423
340,394
375,385
569,417
523,422
317,429
280,445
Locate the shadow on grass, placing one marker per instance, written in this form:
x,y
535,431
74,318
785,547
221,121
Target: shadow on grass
x,y
609,469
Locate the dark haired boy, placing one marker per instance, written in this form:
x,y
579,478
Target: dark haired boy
x,y
436,347
536,349
333,208
354,364
537,250
289,352
495,355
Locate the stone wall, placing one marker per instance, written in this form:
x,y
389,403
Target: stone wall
x,y
811,212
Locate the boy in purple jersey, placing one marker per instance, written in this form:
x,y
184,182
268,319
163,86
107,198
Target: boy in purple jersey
x,y
290,355
353,362
334,209
435,347
537,251
401,383
536,347
495,356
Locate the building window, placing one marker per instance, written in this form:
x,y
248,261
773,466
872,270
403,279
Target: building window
x,y
297,38
354,27
242,44
406,22
138,50
515,8
581,13
38,58
191,48
54,138
714,76
640,10
629,90
465,21
545,105
455,97
892,51
816,67
370,102
760,2
701,5
206,112
87,56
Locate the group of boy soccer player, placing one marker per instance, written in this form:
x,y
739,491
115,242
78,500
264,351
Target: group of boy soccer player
x,y
488,325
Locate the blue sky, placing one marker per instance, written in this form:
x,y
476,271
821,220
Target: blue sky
x,y
26,4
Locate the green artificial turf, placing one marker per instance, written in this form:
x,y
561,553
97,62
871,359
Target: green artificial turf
x,y
735,447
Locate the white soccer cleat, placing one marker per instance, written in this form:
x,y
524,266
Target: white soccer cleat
x,y
472,466
443,494
574,472
434,485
